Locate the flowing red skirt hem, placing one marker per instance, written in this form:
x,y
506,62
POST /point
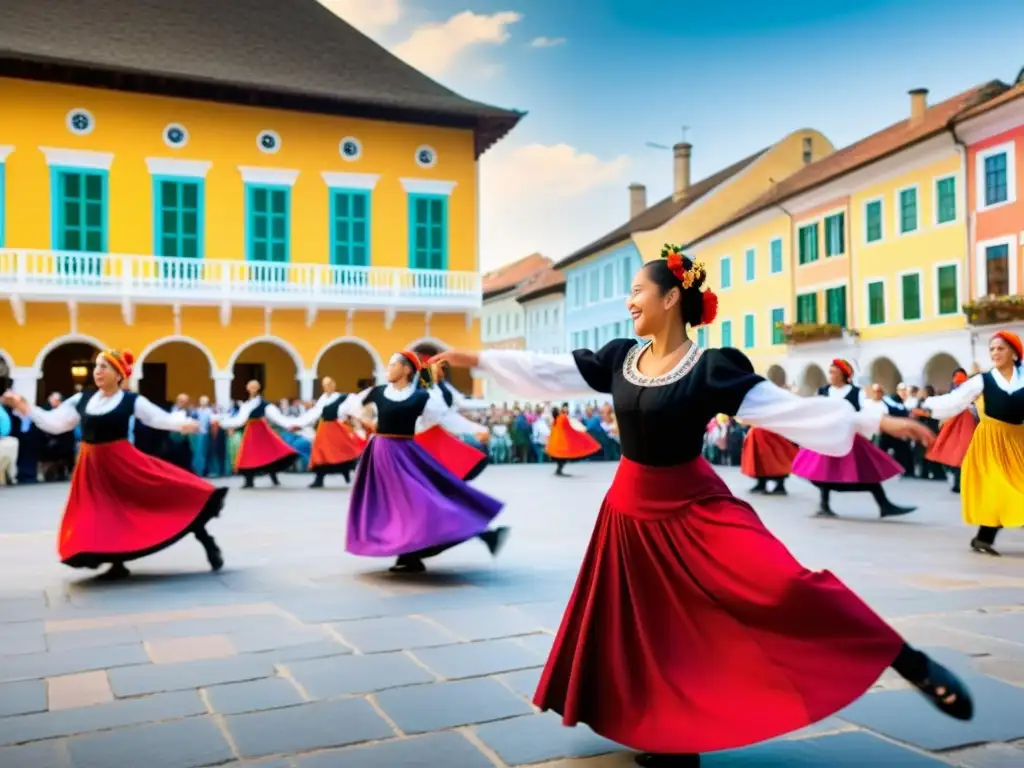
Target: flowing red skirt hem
x,y
336,448
462,460
955,436
566,443
766,454
262,451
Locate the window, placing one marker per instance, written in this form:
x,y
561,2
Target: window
x,y
778,320
807,308
428,230
609,280
702,338
178,229
997,270
775,249
726,270
350,228
835,306
908,210
873,221
876,302
910,290
577,291
585,339
595,286
835,235
627,276
808,237
748,331
80,220
727,333
808,150
948,289
996,183
751,263
268,215
945,200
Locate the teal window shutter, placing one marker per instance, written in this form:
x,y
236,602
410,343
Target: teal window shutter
x,y
178,225
428,231
350,227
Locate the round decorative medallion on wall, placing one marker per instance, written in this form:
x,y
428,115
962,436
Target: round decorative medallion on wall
x,y
80,122
175,135
350,148
426,157
268,141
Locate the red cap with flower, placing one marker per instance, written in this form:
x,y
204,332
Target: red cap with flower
x,y
692,277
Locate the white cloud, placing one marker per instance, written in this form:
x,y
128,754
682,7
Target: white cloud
x,y
546,42
552,199
368,16
433,48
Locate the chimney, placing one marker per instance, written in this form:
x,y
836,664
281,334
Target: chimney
x,y
918,105
637,200
681,169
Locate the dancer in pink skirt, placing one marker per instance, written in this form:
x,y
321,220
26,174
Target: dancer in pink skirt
x,y
864,468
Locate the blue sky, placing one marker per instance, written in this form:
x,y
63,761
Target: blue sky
x,y
619,73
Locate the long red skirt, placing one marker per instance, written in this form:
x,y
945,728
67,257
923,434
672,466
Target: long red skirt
x,y
124,504
767,455
569,444
462,460
954,437
262,450
336,448
692,629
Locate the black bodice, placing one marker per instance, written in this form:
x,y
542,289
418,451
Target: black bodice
x,y
106,427
259,412
662,422
1000,404
852,397
397,418
330,411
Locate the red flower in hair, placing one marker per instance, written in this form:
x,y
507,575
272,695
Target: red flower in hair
x,y
675,265
710,309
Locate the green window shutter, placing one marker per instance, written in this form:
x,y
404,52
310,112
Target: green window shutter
x,y
835,305
727,272
835,235
748,331
702,338
776,256
751,263
911,287
428,247
876,303
178,218
873,221
350,228
908,211
996,184
808,238
269,223
807,308
727,333
945,200
778,318
949,291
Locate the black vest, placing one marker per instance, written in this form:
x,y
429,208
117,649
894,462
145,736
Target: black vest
x,y
852,397
107,427
1000,404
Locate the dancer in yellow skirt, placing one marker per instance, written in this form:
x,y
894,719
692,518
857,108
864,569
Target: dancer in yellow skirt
x,y
992,477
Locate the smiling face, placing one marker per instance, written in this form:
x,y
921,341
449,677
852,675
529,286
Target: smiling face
x,y
1002,354
104,376
650,309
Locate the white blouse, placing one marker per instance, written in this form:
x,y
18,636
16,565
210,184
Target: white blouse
x,y
826,425
310,417
947,406
272,413
435,412
65,418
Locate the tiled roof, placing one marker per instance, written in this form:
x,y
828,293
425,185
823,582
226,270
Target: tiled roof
x,y
1007,96
660,212
873,148
513,275
547,282
291,54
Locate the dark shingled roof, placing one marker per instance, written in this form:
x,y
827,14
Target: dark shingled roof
x,y
660,212
289,54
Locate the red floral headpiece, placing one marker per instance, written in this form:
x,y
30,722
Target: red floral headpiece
x,y
413,359
692,278
959,378
121,362
844,366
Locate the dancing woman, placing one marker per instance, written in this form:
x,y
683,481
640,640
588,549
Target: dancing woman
x,y
337,447
950,447
865,466
123,504
262,451
404,503
566,443
992,489
691,628
767,457
439,439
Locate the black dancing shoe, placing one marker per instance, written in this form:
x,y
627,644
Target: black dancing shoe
x,y
894,510
408,566
984,547
652,760
946,692
116,572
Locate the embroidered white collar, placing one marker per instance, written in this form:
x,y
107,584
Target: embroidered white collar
x,y
631,367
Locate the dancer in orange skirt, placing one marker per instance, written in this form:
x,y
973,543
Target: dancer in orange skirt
x,y
124,504
337,447
954,438
440,439
262,451
567,443
767,456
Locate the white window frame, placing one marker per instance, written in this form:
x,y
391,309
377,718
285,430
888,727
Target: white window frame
x,y
782,255
868,282
959,287
721,271
897,218
981,274
771,314
753,326
749,278
880,199
935,199
920,294
1010,148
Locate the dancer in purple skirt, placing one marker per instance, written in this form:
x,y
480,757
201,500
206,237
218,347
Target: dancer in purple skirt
x,y
403,502
864,468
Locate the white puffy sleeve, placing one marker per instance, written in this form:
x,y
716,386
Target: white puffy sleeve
x,y
156,417
572,375
61,419
826,425
274,416
352,407
312,416
435,411
457,424
239,419
944,407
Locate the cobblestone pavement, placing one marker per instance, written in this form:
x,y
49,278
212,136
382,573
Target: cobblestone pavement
x,y
299,655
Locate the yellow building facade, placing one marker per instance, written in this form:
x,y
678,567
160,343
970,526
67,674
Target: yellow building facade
x,y
222,241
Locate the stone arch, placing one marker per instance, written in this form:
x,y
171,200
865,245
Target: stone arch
x,y
350,372
885,372
776,374
277,383
180,369
67,338
65,364
460,378
938,371
812,379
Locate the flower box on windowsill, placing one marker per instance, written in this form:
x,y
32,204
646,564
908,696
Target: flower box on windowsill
x,y
799,333
995,310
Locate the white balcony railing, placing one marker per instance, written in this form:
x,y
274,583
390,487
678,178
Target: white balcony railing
x,y
58,275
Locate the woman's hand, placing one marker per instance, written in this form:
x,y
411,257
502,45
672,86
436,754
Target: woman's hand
x,y
907,429
457,358
190,427
13,400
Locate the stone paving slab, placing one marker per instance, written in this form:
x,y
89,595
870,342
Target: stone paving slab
x,y
190,743
426,708
431,751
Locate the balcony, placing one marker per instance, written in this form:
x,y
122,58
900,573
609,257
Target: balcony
x,y
27,275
